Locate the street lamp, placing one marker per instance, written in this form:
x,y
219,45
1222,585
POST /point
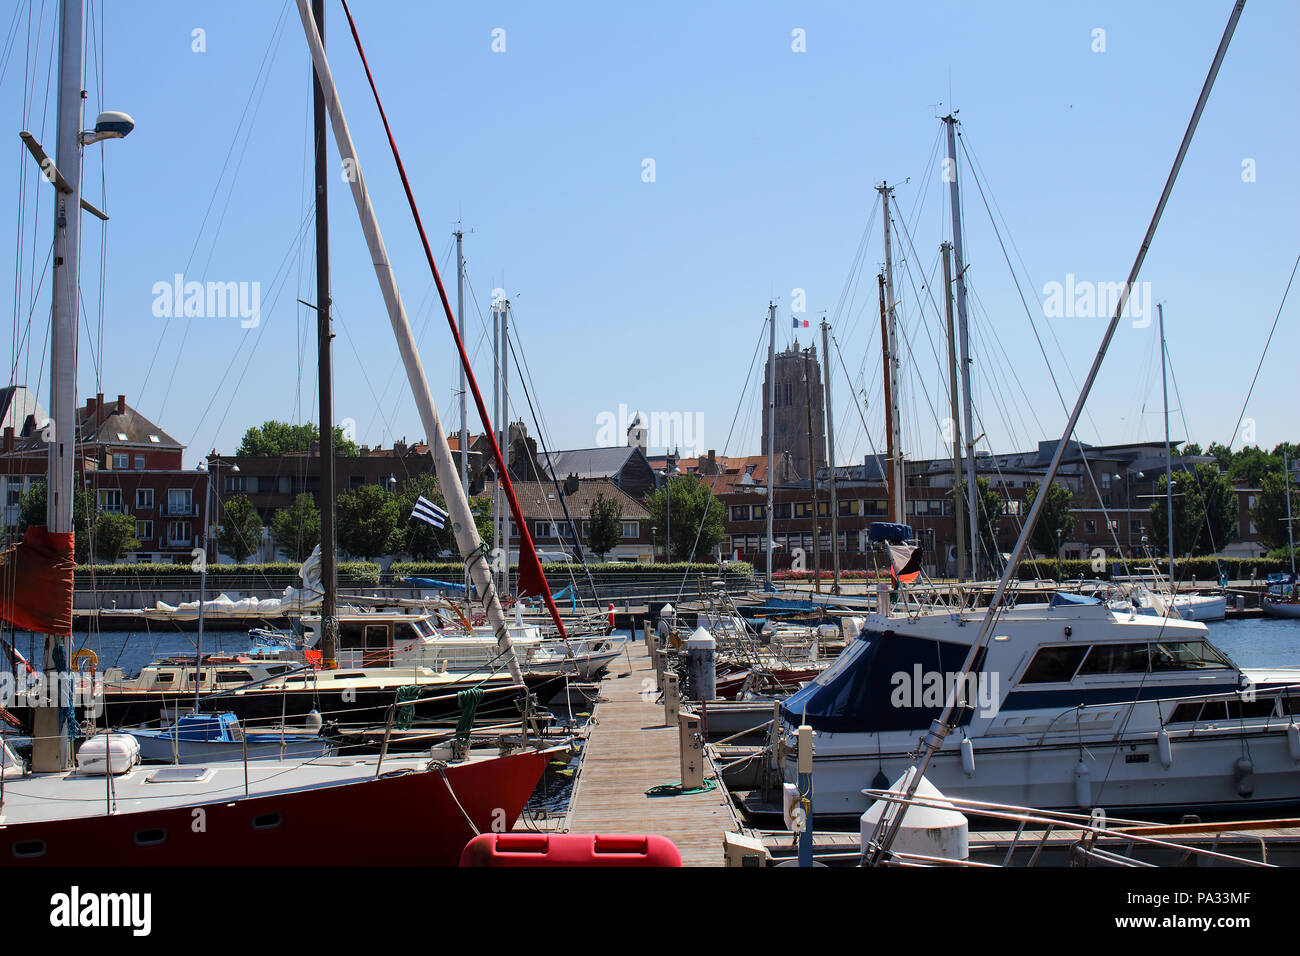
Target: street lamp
x,y
212,504
668,502
392,484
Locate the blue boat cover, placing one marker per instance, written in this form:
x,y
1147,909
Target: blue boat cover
x,y
887,531
432,583
1061,597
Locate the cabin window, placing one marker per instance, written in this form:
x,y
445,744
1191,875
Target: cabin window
x,y
151,837
278,669
1115,659
1239,709
241,677
164,678
1185,655
406,631
26,849
1054,664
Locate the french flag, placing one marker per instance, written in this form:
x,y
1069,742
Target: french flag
x,y
799,323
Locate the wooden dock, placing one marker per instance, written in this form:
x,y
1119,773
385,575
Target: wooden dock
x,y
629,751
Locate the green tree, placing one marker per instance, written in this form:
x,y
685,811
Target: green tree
x,y
420,539
694,512
1055,522
1205,511
1269,513
605,525
1190,448
31,511
239,531
1252,464
114,536
368,521
274,438
296,529
481,508
989,505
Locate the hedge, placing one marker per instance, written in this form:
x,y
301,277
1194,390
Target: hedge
x,y
159,576
452,570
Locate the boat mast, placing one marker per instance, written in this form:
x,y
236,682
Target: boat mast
x,y
329,612
830,453
1169,478
1290,528
963,331
771,429
496,417
504,443
462,520
51,749
897,491
889,397
958,503
464,398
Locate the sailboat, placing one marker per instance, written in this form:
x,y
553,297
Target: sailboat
x,y
109,810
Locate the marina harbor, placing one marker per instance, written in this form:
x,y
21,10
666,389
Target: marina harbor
x,y
441,440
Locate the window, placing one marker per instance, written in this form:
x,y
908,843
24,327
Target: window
x,y
143,498
1013,507
824,509
781,509
631,529
1105,479
1054,664
1112,526
180,533
875,507
1184,656
803,509
139,462
544,529
121,460
180,501
1137,527
850,507
740,512
235,483
1115,659
1090,526
144,530
924,506
758,513
110,500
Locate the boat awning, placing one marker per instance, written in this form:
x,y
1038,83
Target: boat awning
x,y
888,531
1061,598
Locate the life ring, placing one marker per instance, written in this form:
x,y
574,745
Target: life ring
x,y
84,654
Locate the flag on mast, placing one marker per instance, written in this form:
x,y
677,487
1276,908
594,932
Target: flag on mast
x,y
426,511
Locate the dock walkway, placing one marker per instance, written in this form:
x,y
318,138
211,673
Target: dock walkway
x,y
630,750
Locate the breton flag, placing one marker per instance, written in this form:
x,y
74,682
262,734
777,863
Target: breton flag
x,y
799,323
905,562
426,511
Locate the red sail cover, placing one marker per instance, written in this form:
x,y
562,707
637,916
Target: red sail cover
x,y
905,561
36,582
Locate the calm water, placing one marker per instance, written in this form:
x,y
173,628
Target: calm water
x,y
1259,642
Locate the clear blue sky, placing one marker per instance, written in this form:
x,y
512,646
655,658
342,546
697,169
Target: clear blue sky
x,y
654,294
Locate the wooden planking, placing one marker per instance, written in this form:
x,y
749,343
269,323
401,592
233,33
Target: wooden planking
x,y
629,750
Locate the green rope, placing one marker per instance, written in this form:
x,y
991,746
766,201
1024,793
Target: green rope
x,y
676,789
469,701
405,715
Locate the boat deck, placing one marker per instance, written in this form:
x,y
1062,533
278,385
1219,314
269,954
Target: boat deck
x,y
629,751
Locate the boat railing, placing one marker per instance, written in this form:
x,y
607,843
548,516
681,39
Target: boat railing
x,y
1035,827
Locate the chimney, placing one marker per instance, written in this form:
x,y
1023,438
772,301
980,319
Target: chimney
x,y
121,404
399,449
570,483
9,438
90,406
99,401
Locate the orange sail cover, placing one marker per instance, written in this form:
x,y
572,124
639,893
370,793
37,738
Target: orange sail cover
x,y
36,582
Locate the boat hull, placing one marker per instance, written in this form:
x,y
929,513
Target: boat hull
x,y
401,818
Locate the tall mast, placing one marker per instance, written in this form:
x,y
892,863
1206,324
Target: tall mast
x,y
504,421
830,452
329,612
1290,528
1169,478
496,417
464,398
51,750
964,337
462,520
958,504
771,430
889,399
898,492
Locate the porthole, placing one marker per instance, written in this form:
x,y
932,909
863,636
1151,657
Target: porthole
x,y
151,837
267,821
28,849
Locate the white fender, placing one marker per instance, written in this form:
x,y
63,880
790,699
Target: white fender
x,y
968,756
1293,741
1166,748
1082,785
